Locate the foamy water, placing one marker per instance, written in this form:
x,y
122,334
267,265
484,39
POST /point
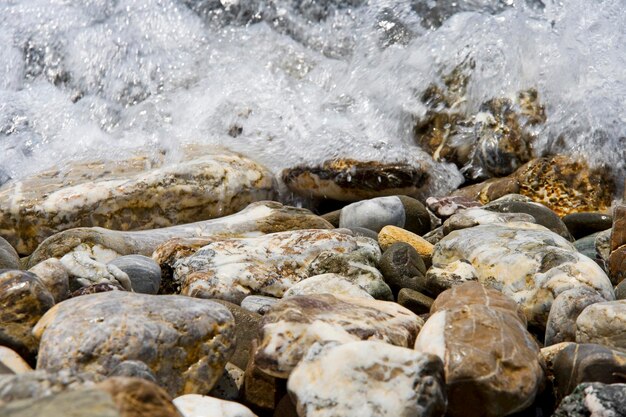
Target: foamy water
x,y
295,81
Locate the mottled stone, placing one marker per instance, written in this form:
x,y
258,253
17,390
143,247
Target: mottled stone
x,y
143,272
54,276
604,324
129,195
194,405
475,216
258,303
14,362
595,400
95,289
402,267
585,224
415,301
455,273
617,265
525,261
367,379
391,234
185,342
445,207
135,397
327,284
86,402
294,324
38,384
373,214
434,235
24,299
261,391
603,248
352,180
246,328
256,218
230,384
9,259
566,307
88,265
232,269
618,231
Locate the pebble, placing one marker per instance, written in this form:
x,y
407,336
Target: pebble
x,y
391,234
373,214
143,272
445,207
195,405
475,216
258,303
54,276
585,224
439,279
604,324
415,301
13,361
417,218
327,284
594,399
402,267
9,259
566,307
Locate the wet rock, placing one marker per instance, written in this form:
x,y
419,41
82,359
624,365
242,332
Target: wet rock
x,y
445,207
525,261
391,234
232,269
585,224
13,362
194,405
455,273
594,399
9,259
185,342
38,384
88,265
294,324
618,231
567,306
258,303
617,265
491,362
54,276
338,380
327,284
143,272
246,328
373,214
230,384
475,216
402,267
415,301
24,300
604,324
127,195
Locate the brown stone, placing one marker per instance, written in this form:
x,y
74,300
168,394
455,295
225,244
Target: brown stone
x,y
246,329
618,231
135,397
617,265
392,234
415,301
260,389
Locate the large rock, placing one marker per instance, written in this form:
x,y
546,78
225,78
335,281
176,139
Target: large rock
x,y
294,324
567,306
526,262
368,379
232,269
260,217
127,195
594,399
491,361
194,405
184,342
9,259
604,324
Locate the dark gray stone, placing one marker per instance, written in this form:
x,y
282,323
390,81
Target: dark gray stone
x,y
594,399
144,273
417,218
415,301
587,246
402,267
585,224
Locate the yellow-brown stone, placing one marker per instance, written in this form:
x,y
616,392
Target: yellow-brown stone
x,y
392,234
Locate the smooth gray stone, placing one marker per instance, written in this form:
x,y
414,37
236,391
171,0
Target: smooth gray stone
x,y
587,246
144,272
373,214
9,259
566,307
585,224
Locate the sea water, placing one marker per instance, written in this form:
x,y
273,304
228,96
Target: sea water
x,y
291,82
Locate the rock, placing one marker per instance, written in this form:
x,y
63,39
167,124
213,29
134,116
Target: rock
x,y
352,180
285,408
363,232
126,196
246,328
577,363
327,284
332,217
455,273
135,397
134,369
417,218
296,323
261,391
401,266
88,265
24,300
373,214
88,402
587,246
143,272
604,324
185,342
415,301
38,384
194,405
566,307
617,265
445,207
54,276
95,289
434,235
475,216
491,362
391,234
232,269
594,399
525,261
618,231
14,362
620,291
230,384
339,380
603,249
9,259
585,224
258,303
256,218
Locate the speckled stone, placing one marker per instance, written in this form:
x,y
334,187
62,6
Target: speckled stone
x,y
295,323
368,379
415,301
185,342
402,267
14,362
327,284
9,259
194,405
373,214
604,324
87,402
143,272
567,306
258,303
445,207
232,269
585,224
24,300
595,400
525,261
391,234
475,216
438,279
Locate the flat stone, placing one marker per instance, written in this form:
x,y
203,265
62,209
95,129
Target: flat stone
x,y
294,324
373,214
185,342
604,324
415,301
594,399
9,259
13,361
195,405
402,266
445,207
258,303
327,284
391,234
135,194
525,261
438,279
234,268
567,306
24,300
618,231
230,384
585,224
340,380
143,272
475,216
54,276
246,328
617,265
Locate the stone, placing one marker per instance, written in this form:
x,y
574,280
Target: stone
x,y
13,361
38,384
617,265
618,230
434,235
133,369
135,397
417,218
578,363
327,284
367,379
415,301
491,362
230,384
363,232
143,272
87,402
391,234
475,216
234,268
525,261
294,324
604,324
258,303
438,279
54,276
285,408
587,246
603,249
135,194
402,267
620,291
585,224
95,289
332,217
24,300
255,219
352,180
261,391
566,307
445,207
88,265
373,214
9,259
594,399
185,342
195,405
